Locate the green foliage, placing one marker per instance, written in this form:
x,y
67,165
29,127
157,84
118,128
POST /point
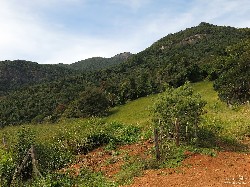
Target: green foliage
x,y
7,166
91,102
99,63
173,156
86,178
132,168
178,107
233,84
220,128
52,156
18,73
40,102
94,134
25,139
189,55
123,134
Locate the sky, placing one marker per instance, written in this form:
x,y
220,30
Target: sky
x,y
66,31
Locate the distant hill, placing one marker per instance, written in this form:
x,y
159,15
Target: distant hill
x,y
18,73
99,63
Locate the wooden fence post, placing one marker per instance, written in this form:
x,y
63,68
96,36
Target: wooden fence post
x,y
177,132
18,170
156,140
34,162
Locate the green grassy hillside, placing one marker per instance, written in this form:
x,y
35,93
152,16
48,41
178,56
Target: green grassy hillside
x,y
234,121
59,144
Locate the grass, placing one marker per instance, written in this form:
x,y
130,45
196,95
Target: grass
x,y
134,112
234,122
220,123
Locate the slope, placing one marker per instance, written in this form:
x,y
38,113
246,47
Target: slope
x,y
192,55
99,63
18,73
228,129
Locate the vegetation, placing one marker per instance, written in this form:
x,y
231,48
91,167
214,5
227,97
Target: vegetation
x,y
197,53
57,144
61,105
19,73
177,113
55,151
98,63
233,84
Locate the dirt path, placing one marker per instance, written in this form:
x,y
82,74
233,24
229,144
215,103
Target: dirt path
x,y
226,169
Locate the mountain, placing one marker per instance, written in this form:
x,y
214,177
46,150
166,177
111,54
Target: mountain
x,y
99,63
207,51
18,73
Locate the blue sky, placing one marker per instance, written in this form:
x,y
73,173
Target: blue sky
x,y
65,31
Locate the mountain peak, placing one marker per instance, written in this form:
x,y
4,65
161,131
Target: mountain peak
x,y
124,55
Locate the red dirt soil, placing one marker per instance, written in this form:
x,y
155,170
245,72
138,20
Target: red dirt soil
x,y
225,169
110,162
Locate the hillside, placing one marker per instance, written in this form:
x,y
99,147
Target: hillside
x,y
207,51
18,73
99,63
120,146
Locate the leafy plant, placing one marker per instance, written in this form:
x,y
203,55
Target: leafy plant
x,y
177,113
132,168
7,166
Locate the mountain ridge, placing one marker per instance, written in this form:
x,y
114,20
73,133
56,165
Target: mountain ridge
x,y
203,52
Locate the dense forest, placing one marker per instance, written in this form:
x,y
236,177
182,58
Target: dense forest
x,y
98,63
18,73
35,93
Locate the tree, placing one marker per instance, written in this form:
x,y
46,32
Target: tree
x,y
233,85
177,112
91,102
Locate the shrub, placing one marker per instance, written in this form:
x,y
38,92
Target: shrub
x,y
7,166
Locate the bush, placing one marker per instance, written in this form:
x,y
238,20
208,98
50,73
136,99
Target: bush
x,y
86,178
25,139
7,167
133,168
123,134
177,113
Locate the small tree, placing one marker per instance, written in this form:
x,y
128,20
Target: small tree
x,y
176,114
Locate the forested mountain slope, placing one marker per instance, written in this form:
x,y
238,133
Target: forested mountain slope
x,y
18,73
217,53
99,63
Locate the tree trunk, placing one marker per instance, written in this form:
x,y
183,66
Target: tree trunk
x,y
30,153
34,162
4,142
196,128
156,140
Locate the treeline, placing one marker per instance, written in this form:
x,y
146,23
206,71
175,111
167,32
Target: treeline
x,y
207,51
